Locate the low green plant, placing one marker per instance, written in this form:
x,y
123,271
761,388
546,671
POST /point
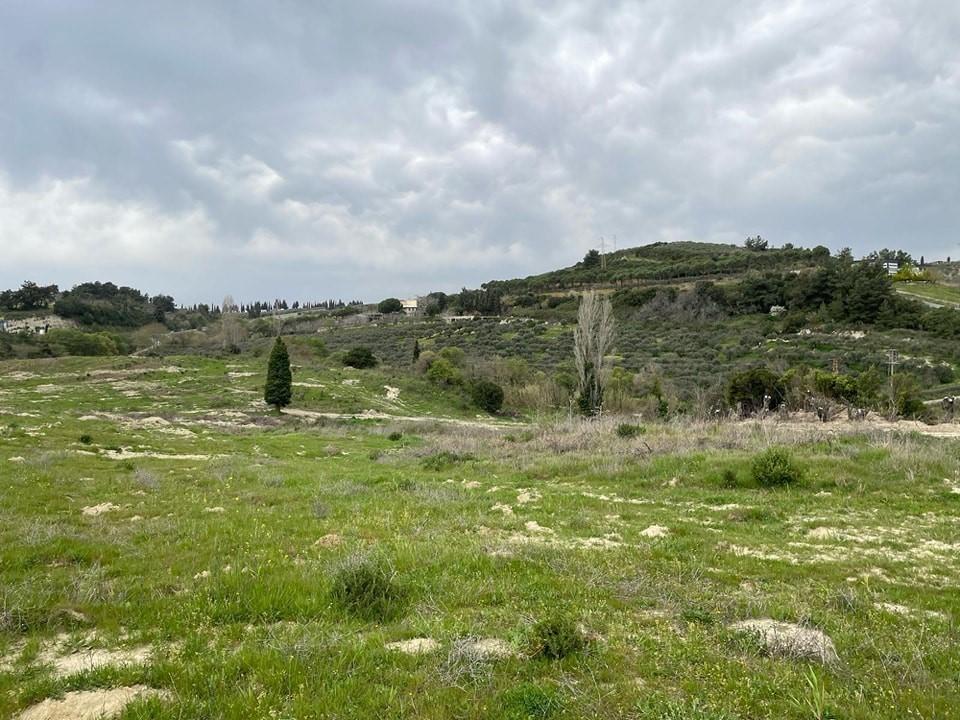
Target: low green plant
x,y
813,703
445,459
775,467
556,637
395,436
729,479
630,430
86,439
530,701
366,587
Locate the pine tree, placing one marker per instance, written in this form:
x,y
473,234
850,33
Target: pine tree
x,y
279,380
416,349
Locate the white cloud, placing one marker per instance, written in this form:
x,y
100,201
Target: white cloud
x,y
72,223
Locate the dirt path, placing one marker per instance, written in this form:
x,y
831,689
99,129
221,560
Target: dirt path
x,y
376,415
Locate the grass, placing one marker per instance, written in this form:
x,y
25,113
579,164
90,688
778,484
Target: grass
x,y
942,294
231,550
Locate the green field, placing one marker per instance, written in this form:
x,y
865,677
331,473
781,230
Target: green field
x,y
161,530
941,294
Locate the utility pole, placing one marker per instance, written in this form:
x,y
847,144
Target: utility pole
x,y
603,254
893,358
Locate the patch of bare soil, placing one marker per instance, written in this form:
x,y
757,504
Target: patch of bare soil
x,y
414,646
90,704
781,639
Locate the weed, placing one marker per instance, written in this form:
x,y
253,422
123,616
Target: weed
x,y
775,467
628,430
320,509
366,587
395,436
729,479
86,439
530,701
556,637
146,478
445,459
814,702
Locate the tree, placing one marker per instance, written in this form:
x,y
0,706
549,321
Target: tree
x,y
591,259
230,325
390,305
592,340
360,358
749,388
416,349
486,395
755,243
278,389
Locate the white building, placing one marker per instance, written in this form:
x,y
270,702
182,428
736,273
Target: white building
x,y
410,306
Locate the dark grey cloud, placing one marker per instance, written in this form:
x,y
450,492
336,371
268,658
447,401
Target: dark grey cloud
x,y
373,148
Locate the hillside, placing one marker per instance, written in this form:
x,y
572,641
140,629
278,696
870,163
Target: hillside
x,y
663,263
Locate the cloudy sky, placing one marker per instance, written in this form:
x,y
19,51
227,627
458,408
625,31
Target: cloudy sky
x,y
364,149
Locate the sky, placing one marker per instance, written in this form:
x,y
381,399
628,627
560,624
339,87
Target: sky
x,y
312,150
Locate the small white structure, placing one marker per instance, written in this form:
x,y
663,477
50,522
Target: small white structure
x,y
411,305
891,267
777,310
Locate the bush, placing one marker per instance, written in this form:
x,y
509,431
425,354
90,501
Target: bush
x,y
445,459
629,430
360,358
86,439
367,588
486,395
775,467
395,436
557,637
442,372
728,479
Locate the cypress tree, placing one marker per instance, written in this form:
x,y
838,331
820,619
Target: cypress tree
x,y
416,349
279,379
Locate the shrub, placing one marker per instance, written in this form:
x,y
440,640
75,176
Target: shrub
x,y
442,372
360,358
728,479
86,439
395,436
629,430
774,467
366,587
445,459
557,637
486,395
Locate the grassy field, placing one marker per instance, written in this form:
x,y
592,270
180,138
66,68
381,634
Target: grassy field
x,y
941,294
166,538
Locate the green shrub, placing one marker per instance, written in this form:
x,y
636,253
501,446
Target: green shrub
x,y
774,467
445,459
556,637
367,588
86,439
360,358
395,436
443,372
486,395
628,430
729,479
